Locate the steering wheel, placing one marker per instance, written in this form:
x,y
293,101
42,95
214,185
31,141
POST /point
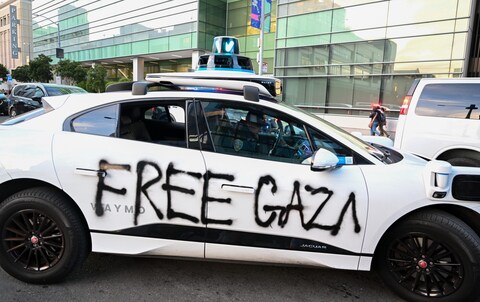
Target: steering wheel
x,y
277,141
280,141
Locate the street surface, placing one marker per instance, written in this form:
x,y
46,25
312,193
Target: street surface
x,y
116,278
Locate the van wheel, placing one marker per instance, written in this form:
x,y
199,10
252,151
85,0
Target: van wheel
x,y
42,237
431,255
464,161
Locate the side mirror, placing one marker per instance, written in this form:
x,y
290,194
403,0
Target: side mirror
x,y
324,160
37,99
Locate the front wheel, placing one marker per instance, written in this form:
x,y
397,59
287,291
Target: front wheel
x,y
42,239
431,256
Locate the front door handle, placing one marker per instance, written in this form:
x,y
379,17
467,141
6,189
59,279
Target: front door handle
x,y
90,172
238,189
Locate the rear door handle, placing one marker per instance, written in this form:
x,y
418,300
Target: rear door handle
x,y
90,172
238,189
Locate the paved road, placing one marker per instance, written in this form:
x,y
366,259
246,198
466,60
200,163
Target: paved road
x,y
115,278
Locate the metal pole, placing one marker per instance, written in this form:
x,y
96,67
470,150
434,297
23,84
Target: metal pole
x,y
260,55
58,34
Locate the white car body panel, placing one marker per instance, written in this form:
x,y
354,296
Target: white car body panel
x,y
128,245
4,177
21,163
118,209
321,211
251,254
430,136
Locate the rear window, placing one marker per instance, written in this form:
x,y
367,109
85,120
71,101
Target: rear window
x,y
460,101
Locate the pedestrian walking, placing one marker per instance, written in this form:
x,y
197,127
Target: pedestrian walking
x,y
378,120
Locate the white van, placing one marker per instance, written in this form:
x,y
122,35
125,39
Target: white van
x,y
440,119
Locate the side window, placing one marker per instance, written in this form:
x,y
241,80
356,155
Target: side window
x,y
29,91
256,132
460,101
18,90
166,113
199,136
38,93
102,121
161,122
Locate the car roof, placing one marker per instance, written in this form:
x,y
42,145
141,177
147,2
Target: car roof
x,y
49,85
80,102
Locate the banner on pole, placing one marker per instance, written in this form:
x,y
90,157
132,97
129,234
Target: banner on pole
x,y
257,13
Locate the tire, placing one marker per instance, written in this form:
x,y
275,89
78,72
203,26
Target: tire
x,y
446,268
42,239
13,112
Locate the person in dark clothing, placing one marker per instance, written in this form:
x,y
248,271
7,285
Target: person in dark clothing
x,y
378,120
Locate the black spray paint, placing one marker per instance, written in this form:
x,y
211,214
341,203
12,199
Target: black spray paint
x,y
296,205
142,188
277,212
171,213
101,186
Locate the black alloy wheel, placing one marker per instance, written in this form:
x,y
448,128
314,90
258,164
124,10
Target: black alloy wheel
x,y
42,236
33,240
431,256
425,266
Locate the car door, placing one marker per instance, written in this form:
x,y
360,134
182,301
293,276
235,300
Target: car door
x,y
135,180
24,100
264,202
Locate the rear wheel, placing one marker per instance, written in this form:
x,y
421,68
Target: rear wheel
x,y
13,112
431,255
42,238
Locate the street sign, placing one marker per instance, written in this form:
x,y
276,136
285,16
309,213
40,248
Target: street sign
x,y
13,31
59,53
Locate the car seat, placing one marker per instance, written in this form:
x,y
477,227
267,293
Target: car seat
x,y
133,127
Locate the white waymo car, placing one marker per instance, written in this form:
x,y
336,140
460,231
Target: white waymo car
x,y
209,166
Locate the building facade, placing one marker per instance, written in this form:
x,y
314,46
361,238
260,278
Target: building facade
x,y
335,57
340,56
156,36
16,47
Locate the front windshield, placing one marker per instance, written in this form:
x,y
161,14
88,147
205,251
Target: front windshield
x,y
342,133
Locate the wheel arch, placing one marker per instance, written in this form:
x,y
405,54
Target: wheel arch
x,y
457,152
470,217
16,185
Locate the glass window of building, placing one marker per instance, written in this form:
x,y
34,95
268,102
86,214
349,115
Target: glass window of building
x,y
367,51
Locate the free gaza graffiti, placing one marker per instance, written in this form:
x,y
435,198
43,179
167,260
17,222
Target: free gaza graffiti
x,y
276,213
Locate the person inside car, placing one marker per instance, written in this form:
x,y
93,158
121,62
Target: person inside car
x,y
246,132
